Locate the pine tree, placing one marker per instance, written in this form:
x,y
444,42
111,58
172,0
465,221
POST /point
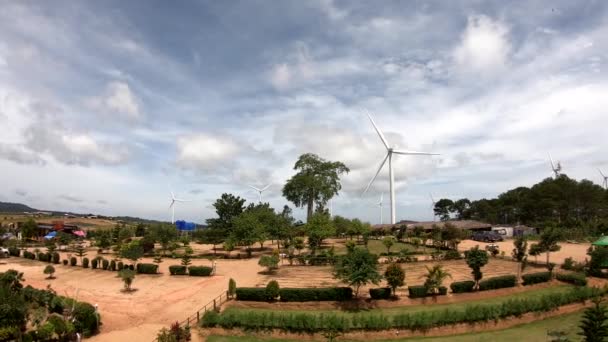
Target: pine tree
x,y
594,326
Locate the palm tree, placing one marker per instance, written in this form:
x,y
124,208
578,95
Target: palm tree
x,y
434,278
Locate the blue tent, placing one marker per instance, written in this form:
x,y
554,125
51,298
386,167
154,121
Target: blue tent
x,y
185,226
50,235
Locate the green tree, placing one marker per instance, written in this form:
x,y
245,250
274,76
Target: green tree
x,y
187,256
435,276
132,251
231,288
395,276
388,242
462,209
50,245
271,262
343,225
228,246
318,228
549,239
520,253
164,234
298,243
211,236
358,268
125,233
50,270
103,240
80,249
476,259
127,275
316,182
594,326
442,208
227,207
29,229
245,229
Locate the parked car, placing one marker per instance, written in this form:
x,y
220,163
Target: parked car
x,y
4,252
487,237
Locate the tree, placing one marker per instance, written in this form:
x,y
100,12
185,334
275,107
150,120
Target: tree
x,y
29,229
316,182
476,259
548,241
520,253
227,208
343,225
535,251
298,243
127,275
395,276
104,239
462,209
434,278
245,229
187,256
271,262
228,246
140,229
358,268
388,242
164,234
212,236
231,288
50,270
80,249
442,208
125,233
318,228
132,251
594,327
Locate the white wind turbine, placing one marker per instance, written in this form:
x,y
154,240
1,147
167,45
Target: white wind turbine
x,y
259,191
556,169
604,178
172,205
389,155
433,206
381,205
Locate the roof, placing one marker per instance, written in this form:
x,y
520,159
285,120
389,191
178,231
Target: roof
x,y
462,224
603,241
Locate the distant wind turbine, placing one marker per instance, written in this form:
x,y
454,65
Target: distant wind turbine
x,y
259,191
556,168
604,179
172,205
389,155
381,205
433,206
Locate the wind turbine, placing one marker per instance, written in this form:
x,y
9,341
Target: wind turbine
x,y
172,205
556,169
380,205
605,179
260,191
389,155
433,206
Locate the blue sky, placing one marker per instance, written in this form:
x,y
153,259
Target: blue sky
x,y
105,103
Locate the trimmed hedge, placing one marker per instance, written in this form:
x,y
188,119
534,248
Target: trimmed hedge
x,y
536,278
105,264
498,282
380,293
85,262
112,265
200,271
315,294
94,263
73,261
29,255
14,251
577,279
417,291
462,286
65,262
147,268
120,266
177,270
56,258
254,294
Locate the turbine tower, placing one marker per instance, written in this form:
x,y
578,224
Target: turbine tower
x,y
433,206
380,205
556,168
604,178
389,155
259,191
172,205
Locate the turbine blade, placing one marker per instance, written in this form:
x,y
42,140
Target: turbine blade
x,y
377,172
171,205
416,153
266,187
552,164
379,132
254,188
601,173
181,200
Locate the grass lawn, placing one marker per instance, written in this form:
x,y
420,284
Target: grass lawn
x,y
416,308
531,332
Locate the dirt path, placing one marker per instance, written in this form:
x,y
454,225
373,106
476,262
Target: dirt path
x,y
576,251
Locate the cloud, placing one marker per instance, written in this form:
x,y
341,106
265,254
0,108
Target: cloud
x,y
20,155
20,192
205,151
484,45
71,198
118,99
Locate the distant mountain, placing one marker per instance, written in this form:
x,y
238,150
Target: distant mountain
x,y
8,207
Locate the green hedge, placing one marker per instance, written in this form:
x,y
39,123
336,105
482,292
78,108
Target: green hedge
x,y
462,286
305,322
147,268
120,266
65,262
421,291
85,262
112,265
315,294
535,278
56,258
105,264
29,255
380,293
94,263
73,261
14,251
200,271
177,270
577,279
498,282
254,294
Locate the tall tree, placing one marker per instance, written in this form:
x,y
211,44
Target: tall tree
x,y
245,229
594,325
442,208
316,182
395,276
164,234
548,241
358,268
227,208
462,209
28,229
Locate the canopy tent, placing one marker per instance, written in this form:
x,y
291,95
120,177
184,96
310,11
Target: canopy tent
x,y
185,226
50,235
80,233
603,241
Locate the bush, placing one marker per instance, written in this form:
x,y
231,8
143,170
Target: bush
x,y
56,258
177,270
498,282
462,286
380,293
14,251
417,291
255,294
577,279
210,319
231,288
316,294
29,255
85,262
200,271
120,266
65,262
568,264
94,263
147,268
73,261
43,257
112,265
535,278
442,290
86,320
272,290
105,264
452,255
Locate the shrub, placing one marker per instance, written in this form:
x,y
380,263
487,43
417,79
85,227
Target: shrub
x,y
442,290
462,286
417,291
85,262
568,264
452,255
380,293
65,262
147,268
29,255
45,332
316,294
210,319
50,270
577,279
94,263
200,271
120,266
498,282
256,294
112,265
177,270
73,261
105,264
231,288
14,251
86,320
272,290
56,258
535,278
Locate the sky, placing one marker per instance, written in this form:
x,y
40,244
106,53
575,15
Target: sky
x,y
105,105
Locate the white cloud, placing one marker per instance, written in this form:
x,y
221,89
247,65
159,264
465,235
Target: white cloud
x,y
280,76
204,151
484,45
118,99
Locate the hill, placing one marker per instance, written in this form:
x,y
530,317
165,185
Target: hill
x,y
8,207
